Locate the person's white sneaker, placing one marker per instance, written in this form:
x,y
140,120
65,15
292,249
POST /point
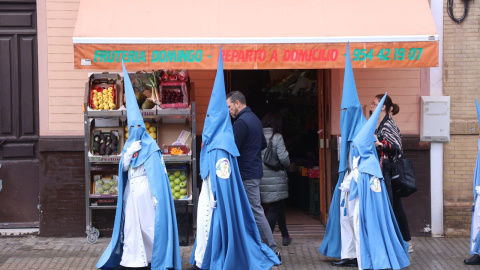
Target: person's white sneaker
x,y
410,247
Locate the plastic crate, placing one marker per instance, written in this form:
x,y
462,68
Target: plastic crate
x,y
183,224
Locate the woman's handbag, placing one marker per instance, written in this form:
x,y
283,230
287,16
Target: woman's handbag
x,y
404,182
270,158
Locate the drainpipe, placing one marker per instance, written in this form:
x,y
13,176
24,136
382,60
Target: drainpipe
x,y
436,151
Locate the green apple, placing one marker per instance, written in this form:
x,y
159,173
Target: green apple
x,y
183,177
177,188
172,184
183,191
171,177
177,194
177,181
183,184
173,191
177,173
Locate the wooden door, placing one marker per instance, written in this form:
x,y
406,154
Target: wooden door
x,y
324,137
19,171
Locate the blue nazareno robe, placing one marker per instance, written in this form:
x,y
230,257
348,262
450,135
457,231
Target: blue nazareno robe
x,y
381,242
166,248
351,121
234,241
474,233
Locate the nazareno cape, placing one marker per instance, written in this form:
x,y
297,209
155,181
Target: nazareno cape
x,y
381,242
166,249
474,231
234,241
351,121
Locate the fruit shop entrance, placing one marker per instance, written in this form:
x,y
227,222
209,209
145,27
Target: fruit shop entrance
x,y
294,95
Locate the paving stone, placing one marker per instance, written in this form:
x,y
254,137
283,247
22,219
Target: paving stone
x,y
38,253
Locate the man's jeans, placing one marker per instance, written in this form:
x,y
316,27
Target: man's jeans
x,y
252,188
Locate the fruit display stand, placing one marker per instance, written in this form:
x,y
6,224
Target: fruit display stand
x,y
176,130
101,167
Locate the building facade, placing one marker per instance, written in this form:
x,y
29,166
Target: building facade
x,y
59,152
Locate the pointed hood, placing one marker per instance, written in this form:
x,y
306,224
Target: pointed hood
x,y
364,145
351,115
217,130
134,116
136,126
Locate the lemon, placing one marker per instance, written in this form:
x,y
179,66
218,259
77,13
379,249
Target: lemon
x,y
152,129
147,125
126,135
126,129
154,136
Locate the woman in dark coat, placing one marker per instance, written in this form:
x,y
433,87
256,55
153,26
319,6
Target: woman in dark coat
x,y
274,184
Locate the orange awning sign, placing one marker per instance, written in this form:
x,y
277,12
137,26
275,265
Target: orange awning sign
x,y
276,34
256,56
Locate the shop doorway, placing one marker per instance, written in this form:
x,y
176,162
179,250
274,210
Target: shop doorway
x,y
298,96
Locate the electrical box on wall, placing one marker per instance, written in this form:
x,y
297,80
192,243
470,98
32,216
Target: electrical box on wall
x,y
435,119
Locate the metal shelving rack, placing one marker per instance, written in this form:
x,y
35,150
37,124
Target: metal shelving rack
x,y
96,164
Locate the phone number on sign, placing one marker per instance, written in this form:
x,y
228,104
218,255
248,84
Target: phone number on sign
x,y
397,54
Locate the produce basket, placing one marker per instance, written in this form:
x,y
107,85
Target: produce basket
x,y
174,95
110,139
178,178
104,94
175,150
104,190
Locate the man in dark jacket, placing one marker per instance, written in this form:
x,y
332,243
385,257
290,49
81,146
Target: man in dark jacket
x,y
248,133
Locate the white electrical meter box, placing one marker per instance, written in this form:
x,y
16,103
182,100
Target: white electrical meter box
x,y
435,119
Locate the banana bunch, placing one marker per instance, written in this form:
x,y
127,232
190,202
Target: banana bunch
x,y
103,100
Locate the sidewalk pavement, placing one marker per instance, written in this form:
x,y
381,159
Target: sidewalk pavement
x,y
33,252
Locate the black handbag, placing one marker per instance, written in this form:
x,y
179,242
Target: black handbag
x,y
270,158
404,182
